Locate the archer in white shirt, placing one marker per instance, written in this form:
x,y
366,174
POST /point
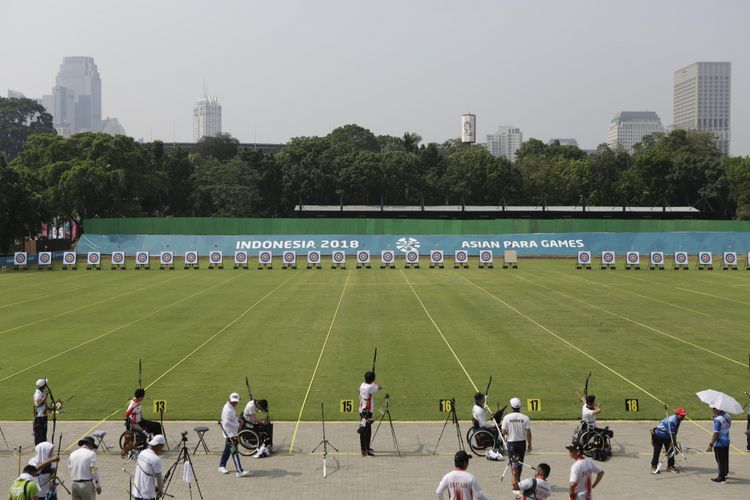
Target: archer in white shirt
x,y
459,484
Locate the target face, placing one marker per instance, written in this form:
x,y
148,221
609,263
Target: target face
x,y
338,257
313,257
69,257
45,258
680,257
657,257
608,257
215,257
412,257
363,257
93,258
142,257
118,257
264,257
633,257
730,257
289,257
461,256
191,257
436,256
705,257
584,257
20,258
485,256
166,257
387,256
240,257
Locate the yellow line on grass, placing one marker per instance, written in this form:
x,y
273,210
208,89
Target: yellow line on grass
x,y
235,320
440,332
581,351
320,356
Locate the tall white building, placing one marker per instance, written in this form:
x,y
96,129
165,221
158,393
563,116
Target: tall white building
x,y
628,128
505,142
206,118
702,100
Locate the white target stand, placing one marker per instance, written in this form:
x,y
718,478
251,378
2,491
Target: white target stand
x,y
412,259
656,261
363,259
437,259
608,260
117,261
510,259
486,259
94,261
313,259
729,261
265,260
705,261
191,260
20,261
166,261
747,262
632,261
44,261
338,259
142,261
584,260
680,261
70,261
460,259
387,259
240,260
216,259
289,259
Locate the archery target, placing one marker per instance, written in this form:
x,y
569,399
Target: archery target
x,y
191,257
93,258
681,258
608,257
289,257
217,257
412,257
485,257
338,257
705,258
363,256
387,256
313,257
584,257
240,257
118,258
265,257
44,258
436,257
166,258
633,258
20,258
461,257
142,258
657,258
730,258
69,258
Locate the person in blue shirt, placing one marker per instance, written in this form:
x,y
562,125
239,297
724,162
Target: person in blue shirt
x,y
720,443
665,435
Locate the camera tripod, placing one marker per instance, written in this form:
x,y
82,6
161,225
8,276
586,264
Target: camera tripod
x,y
386,412
324,443
183,457
454,419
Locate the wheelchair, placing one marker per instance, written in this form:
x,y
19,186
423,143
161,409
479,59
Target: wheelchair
x,y
133,442
595,441
482,440
252,436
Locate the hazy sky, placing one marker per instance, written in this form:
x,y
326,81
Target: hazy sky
x,y
280,69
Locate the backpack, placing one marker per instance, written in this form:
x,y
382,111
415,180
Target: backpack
x,y
530,493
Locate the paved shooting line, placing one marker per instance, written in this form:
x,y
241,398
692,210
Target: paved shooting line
x,y
86,342
70,311
471,381
203,344
712,295
630,320
581,351
320,356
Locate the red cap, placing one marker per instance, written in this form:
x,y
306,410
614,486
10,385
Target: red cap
x,y
680,411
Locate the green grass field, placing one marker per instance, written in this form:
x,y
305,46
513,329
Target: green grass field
x,y
538,330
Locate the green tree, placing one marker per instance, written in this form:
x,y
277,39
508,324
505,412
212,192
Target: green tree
x,y
20,118
228,189
222,147
18,208
738,182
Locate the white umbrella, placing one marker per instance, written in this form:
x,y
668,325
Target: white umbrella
x,y
720,401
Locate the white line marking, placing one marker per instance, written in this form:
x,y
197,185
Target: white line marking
x,y
27,300
712,295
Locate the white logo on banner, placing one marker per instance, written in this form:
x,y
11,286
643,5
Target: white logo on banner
x,y
407,244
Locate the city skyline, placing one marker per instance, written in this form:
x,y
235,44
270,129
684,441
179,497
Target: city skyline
x,y
293,69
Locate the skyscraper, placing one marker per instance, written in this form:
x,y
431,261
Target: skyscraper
x,y
702,100
627,129
206,118
76,100
505,143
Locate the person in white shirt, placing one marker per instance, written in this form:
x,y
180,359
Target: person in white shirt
x,y
83,472
41,409
479,415
590,410
516,427
459,484
535,487
230,427
250,416
149,482
581,473
46,465
367,390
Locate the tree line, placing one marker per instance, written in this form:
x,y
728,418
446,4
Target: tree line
x,y
96,175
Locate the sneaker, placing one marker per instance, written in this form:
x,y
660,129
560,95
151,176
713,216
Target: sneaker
x,y
673,469
718,480
223,470
244,473
370,453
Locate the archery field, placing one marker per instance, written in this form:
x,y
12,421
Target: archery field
x,y
307,336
